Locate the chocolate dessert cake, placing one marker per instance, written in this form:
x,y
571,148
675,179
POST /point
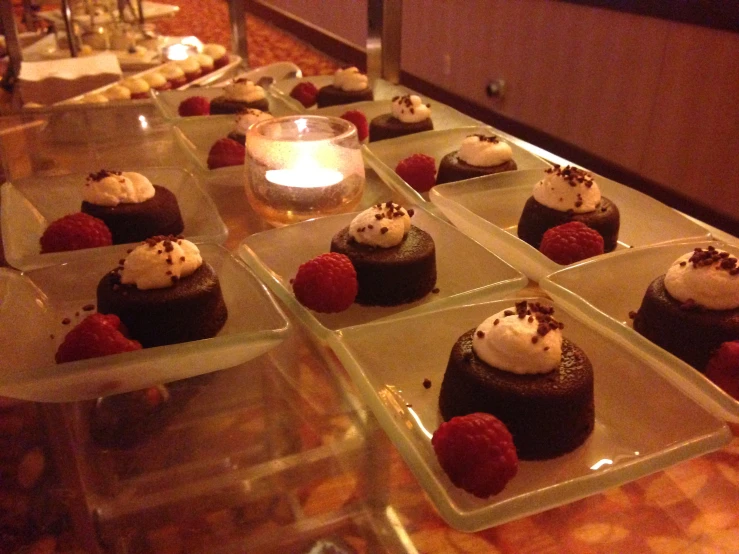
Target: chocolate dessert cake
x,y
129,217
331,95
388,274
239,96
568,194
349,86
549,412
164,293
489,154
692,327
408,115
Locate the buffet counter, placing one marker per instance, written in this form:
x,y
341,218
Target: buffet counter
x,y
295,448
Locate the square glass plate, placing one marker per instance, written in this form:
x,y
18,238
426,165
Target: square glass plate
x,y
30,204
169,102
488,209
465,270
381,89
642,422
625,276
383,156
33,305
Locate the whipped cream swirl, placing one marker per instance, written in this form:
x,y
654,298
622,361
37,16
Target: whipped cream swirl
x,y
524,339
382,225
110,188
708,278
484,151
568,189
244,90
410,108
350,79
160,262
249,117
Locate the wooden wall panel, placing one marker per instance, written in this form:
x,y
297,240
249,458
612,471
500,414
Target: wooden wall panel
x,y
693,141
585,75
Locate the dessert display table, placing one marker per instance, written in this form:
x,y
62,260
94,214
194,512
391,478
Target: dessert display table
x,y
281,451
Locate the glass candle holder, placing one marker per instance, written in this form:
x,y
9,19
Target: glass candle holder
x,y
300,167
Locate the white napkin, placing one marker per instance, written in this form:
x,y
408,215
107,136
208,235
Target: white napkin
x,y
48,82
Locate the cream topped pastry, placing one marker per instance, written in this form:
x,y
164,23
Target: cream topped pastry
x,y
518,366
117,92
568,189
244,90
350,79
567,194
484,151
110,188
524,339
708,278
94,98
156,80
410,109
382,225
189,65
138,87
173,73
160,262
693,308
395,261
204,61
218,53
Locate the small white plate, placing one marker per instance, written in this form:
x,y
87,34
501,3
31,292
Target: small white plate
x,y
383,156
642,422
465,270
488,209
35,304
30,204
625,276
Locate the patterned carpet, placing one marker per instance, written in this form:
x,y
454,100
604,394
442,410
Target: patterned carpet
x,y
208,20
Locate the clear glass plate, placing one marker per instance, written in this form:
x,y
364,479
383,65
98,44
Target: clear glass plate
x,y
383,156
465,270
642,422
169,101
33,305
30,204
488,209
626,276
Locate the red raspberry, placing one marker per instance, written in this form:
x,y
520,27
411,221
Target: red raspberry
x,y
477,453
195,105
418,170
723,368
571,242
96,335
305,93
74,232
327,283
226,152
360,122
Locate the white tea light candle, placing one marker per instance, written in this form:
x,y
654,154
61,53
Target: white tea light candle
x,y
302,167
